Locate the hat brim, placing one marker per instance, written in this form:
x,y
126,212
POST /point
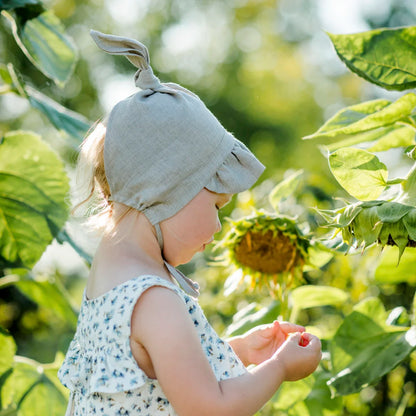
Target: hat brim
x,y
238,172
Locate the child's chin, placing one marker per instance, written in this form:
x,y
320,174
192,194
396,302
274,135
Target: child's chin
x,y
178,260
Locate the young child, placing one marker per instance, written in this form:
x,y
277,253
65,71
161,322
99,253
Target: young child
x,y
165,166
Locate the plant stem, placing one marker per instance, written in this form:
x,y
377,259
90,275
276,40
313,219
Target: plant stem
x,y
16,82
408,195
403,403
5,89
9,280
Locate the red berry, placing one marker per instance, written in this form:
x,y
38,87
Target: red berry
x,y
303,341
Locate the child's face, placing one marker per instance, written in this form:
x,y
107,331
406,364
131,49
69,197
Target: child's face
x,y
193,227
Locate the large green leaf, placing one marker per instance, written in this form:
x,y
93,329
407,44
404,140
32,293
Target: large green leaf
x,y
41,37
74,124
308,397
33,206
7,350
359,172
366,116
32,391
365,348
385,138
50,295
309,296
252,316
388,271
63,119
291,393
396,136
386,57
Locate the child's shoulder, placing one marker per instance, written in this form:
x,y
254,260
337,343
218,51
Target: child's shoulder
x,y
130,289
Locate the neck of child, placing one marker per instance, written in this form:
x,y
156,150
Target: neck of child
x,y
134,238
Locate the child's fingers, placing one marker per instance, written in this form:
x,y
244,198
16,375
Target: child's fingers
x,y
313,340
305,339
294,337
288,327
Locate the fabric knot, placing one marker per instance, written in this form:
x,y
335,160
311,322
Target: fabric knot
x,y
135,52
146,79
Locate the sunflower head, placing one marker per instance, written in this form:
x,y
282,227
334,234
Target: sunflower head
x,y
381,222
270,249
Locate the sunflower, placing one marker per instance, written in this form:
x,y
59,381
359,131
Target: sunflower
x,y
268,249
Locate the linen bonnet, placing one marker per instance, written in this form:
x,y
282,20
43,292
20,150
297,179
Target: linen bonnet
x,y
163,145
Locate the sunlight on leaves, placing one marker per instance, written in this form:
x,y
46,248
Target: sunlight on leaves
x,y
386,57
359,172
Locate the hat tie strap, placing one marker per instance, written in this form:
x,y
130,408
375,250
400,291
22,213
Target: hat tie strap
x,y
159,236
189,286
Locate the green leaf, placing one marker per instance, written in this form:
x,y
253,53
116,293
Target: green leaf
x,y
318,256
49,295
359,172
63,119
365,348
43,40
5,75
385,138
367,226
33,206
409,188
12,4
385,57
64,237
309,296
7,350
291,393
388,271
307,397
255,316
409,222
319,401
32,391
366,116
392,212
396,136
284,189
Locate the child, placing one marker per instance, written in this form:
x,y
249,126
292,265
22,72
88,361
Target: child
x,y
165,166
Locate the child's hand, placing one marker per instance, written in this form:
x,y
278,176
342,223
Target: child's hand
x,y
299,355
260,343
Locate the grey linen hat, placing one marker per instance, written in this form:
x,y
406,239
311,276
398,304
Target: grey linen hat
x,y
163,146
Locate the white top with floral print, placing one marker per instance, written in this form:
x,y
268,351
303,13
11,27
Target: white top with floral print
x,y
99,367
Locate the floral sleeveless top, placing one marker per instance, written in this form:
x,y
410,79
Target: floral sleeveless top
x,y
99,367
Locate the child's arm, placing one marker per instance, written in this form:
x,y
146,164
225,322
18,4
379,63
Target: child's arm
x,y
261,342
162,325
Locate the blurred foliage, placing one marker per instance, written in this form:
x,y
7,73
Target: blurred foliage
x,y
260,67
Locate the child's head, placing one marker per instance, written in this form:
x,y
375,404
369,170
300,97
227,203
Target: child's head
x,y
162,146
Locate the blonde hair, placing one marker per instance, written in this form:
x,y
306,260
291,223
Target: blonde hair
x,y
92,186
